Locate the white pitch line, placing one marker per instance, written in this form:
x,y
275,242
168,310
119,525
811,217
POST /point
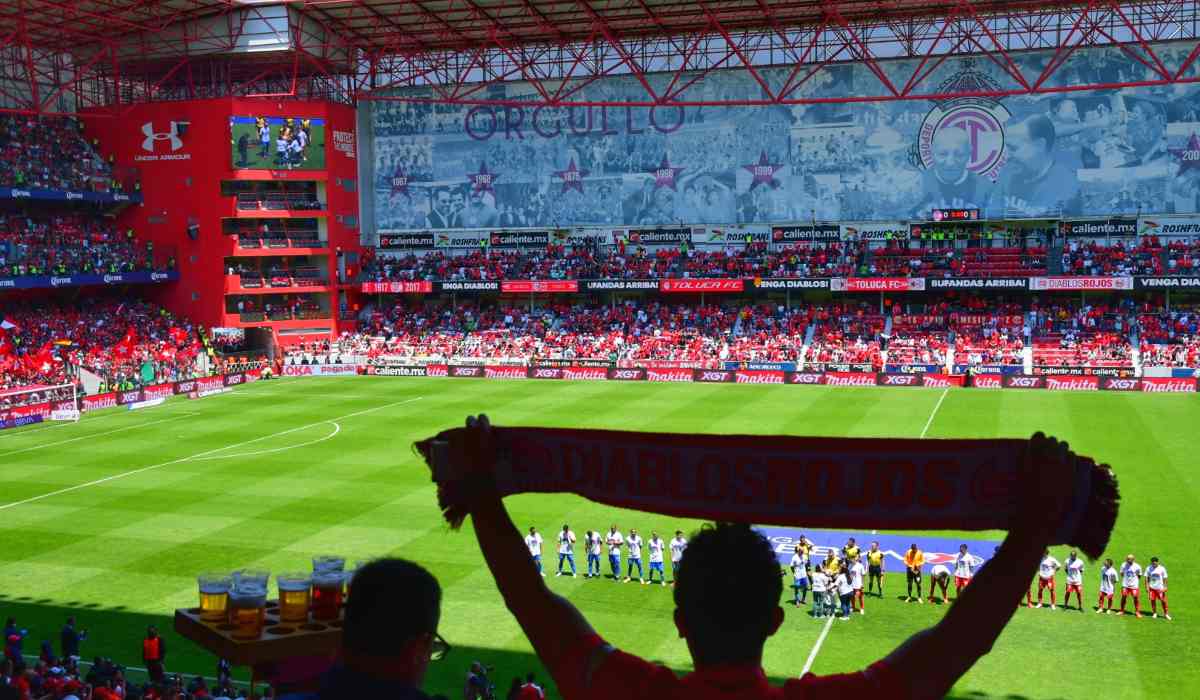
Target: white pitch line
x,y
812,655
934,411
337,428
205,453
95,435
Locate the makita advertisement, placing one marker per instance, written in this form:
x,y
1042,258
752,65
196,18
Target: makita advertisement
x,y
1168,385
397,371
669,375
399,287
696,286
618,285
1073,382
1102,228
319,370
987,381
95,403
816,232
503,372
942,381
1079,284
437,370
1002,283
158,391
850,378
759,376
785,283
578,373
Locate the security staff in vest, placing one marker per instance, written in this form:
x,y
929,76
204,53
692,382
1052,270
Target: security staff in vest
x,y
154,652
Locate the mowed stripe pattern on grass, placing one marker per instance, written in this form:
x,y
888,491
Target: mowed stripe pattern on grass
x,y
131,547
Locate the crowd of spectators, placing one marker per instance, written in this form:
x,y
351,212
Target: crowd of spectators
x,y
128,343
824,259
49,153
70,243
1083,334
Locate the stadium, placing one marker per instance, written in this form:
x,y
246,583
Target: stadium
x,y
775,292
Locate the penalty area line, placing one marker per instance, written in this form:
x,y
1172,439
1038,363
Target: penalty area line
x,y
205,453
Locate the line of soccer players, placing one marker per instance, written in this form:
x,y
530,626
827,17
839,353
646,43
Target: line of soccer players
x,y
837,582
595,544
1130,575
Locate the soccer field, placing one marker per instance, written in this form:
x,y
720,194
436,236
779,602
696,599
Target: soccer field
x,y
111,518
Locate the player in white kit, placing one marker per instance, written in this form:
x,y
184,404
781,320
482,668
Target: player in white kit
x,y
857,571
1074,567
1108,586
1046,571
634,543
678,544
614,541
1156,586
534,542
964,568
939,576
566,549
656,547
594,544
1131,585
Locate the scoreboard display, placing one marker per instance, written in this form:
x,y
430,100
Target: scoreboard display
x,y
956,215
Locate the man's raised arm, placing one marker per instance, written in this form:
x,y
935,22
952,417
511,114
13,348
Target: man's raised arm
x,y
553,625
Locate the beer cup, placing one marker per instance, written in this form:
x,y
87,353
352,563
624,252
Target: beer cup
x,y
248,602
327,594
214,596
294,596
328,562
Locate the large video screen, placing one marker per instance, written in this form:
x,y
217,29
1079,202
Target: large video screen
x,y
277,143
1061,152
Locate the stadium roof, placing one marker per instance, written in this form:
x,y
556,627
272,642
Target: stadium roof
x,y
381,25
68,55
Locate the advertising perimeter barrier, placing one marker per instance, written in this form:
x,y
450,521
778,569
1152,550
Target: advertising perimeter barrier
x,y
22,415
827,377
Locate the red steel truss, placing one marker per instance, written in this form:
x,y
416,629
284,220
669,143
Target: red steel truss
x,y
68,55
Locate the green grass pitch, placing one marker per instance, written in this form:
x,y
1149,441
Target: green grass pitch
x,y
275,472
316,149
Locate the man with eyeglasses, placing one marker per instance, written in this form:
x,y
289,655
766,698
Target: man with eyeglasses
x,y
390,634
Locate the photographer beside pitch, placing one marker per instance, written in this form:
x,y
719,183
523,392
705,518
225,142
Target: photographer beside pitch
x,y
727,601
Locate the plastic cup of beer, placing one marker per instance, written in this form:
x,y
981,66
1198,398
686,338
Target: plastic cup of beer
x,y
248,603
214,596
294,596
328,562
327,594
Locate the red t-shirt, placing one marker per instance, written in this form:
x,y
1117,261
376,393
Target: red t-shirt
x,y
623,675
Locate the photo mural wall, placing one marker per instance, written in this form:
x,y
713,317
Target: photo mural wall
x,y
1057,153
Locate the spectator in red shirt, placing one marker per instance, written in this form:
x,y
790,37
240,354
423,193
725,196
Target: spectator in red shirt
x,y
727,604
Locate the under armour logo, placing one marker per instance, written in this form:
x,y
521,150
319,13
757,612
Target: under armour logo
x,y
152,136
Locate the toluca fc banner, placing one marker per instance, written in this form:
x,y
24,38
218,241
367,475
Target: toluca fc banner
x,y
814,232
878,284
1077,284
696,286
400,287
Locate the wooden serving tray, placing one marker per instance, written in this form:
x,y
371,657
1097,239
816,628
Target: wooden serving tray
x,y
279,640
